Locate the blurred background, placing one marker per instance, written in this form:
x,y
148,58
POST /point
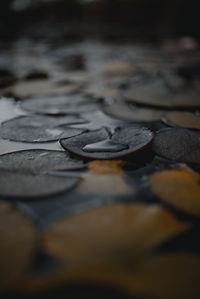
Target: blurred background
x,y
146,19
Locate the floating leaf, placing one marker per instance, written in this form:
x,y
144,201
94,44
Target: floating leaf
x,y
132,113
134,138
39,161
105,177
180,145
56,105
27,186
180,188
183,119
106,167
39,128
28,88
110,237
158,93
110,232
17,245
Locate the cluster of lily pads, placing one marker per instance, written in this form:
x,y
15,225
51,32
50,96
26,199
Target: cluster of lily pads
x,y
122,186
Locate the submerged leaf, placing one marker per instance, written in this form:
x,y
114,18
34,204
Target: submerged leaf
x,y
17,245
160,277
110,233
108,239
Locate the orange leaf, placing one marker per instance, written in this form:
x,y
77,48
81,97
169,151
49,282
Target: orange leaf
x,y
180,188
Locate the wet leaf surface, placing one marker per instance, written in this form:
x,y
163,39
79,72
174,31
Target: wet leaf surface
x,y
40,129
133,138
182,189
28,88
178,145
17,245
130,224
183,119
39,161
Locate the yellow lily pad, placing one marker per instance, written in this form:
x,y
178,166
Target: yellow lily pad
x,y
108,239
178,187
183,119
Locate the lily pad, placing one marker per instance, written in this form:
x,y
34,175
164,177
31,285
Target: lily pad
x,y
40,87
56,105
28,186
157,93
39,161
180,145
105,177
181,189
183,119
39,129
105,244
133,113
94,144
112,235
17,245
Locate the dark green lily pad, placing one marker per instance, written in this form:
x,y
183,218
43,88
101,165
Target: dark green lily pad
x,y
39,161
179,145
39,129
132,113
28,186
100,144
56,105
